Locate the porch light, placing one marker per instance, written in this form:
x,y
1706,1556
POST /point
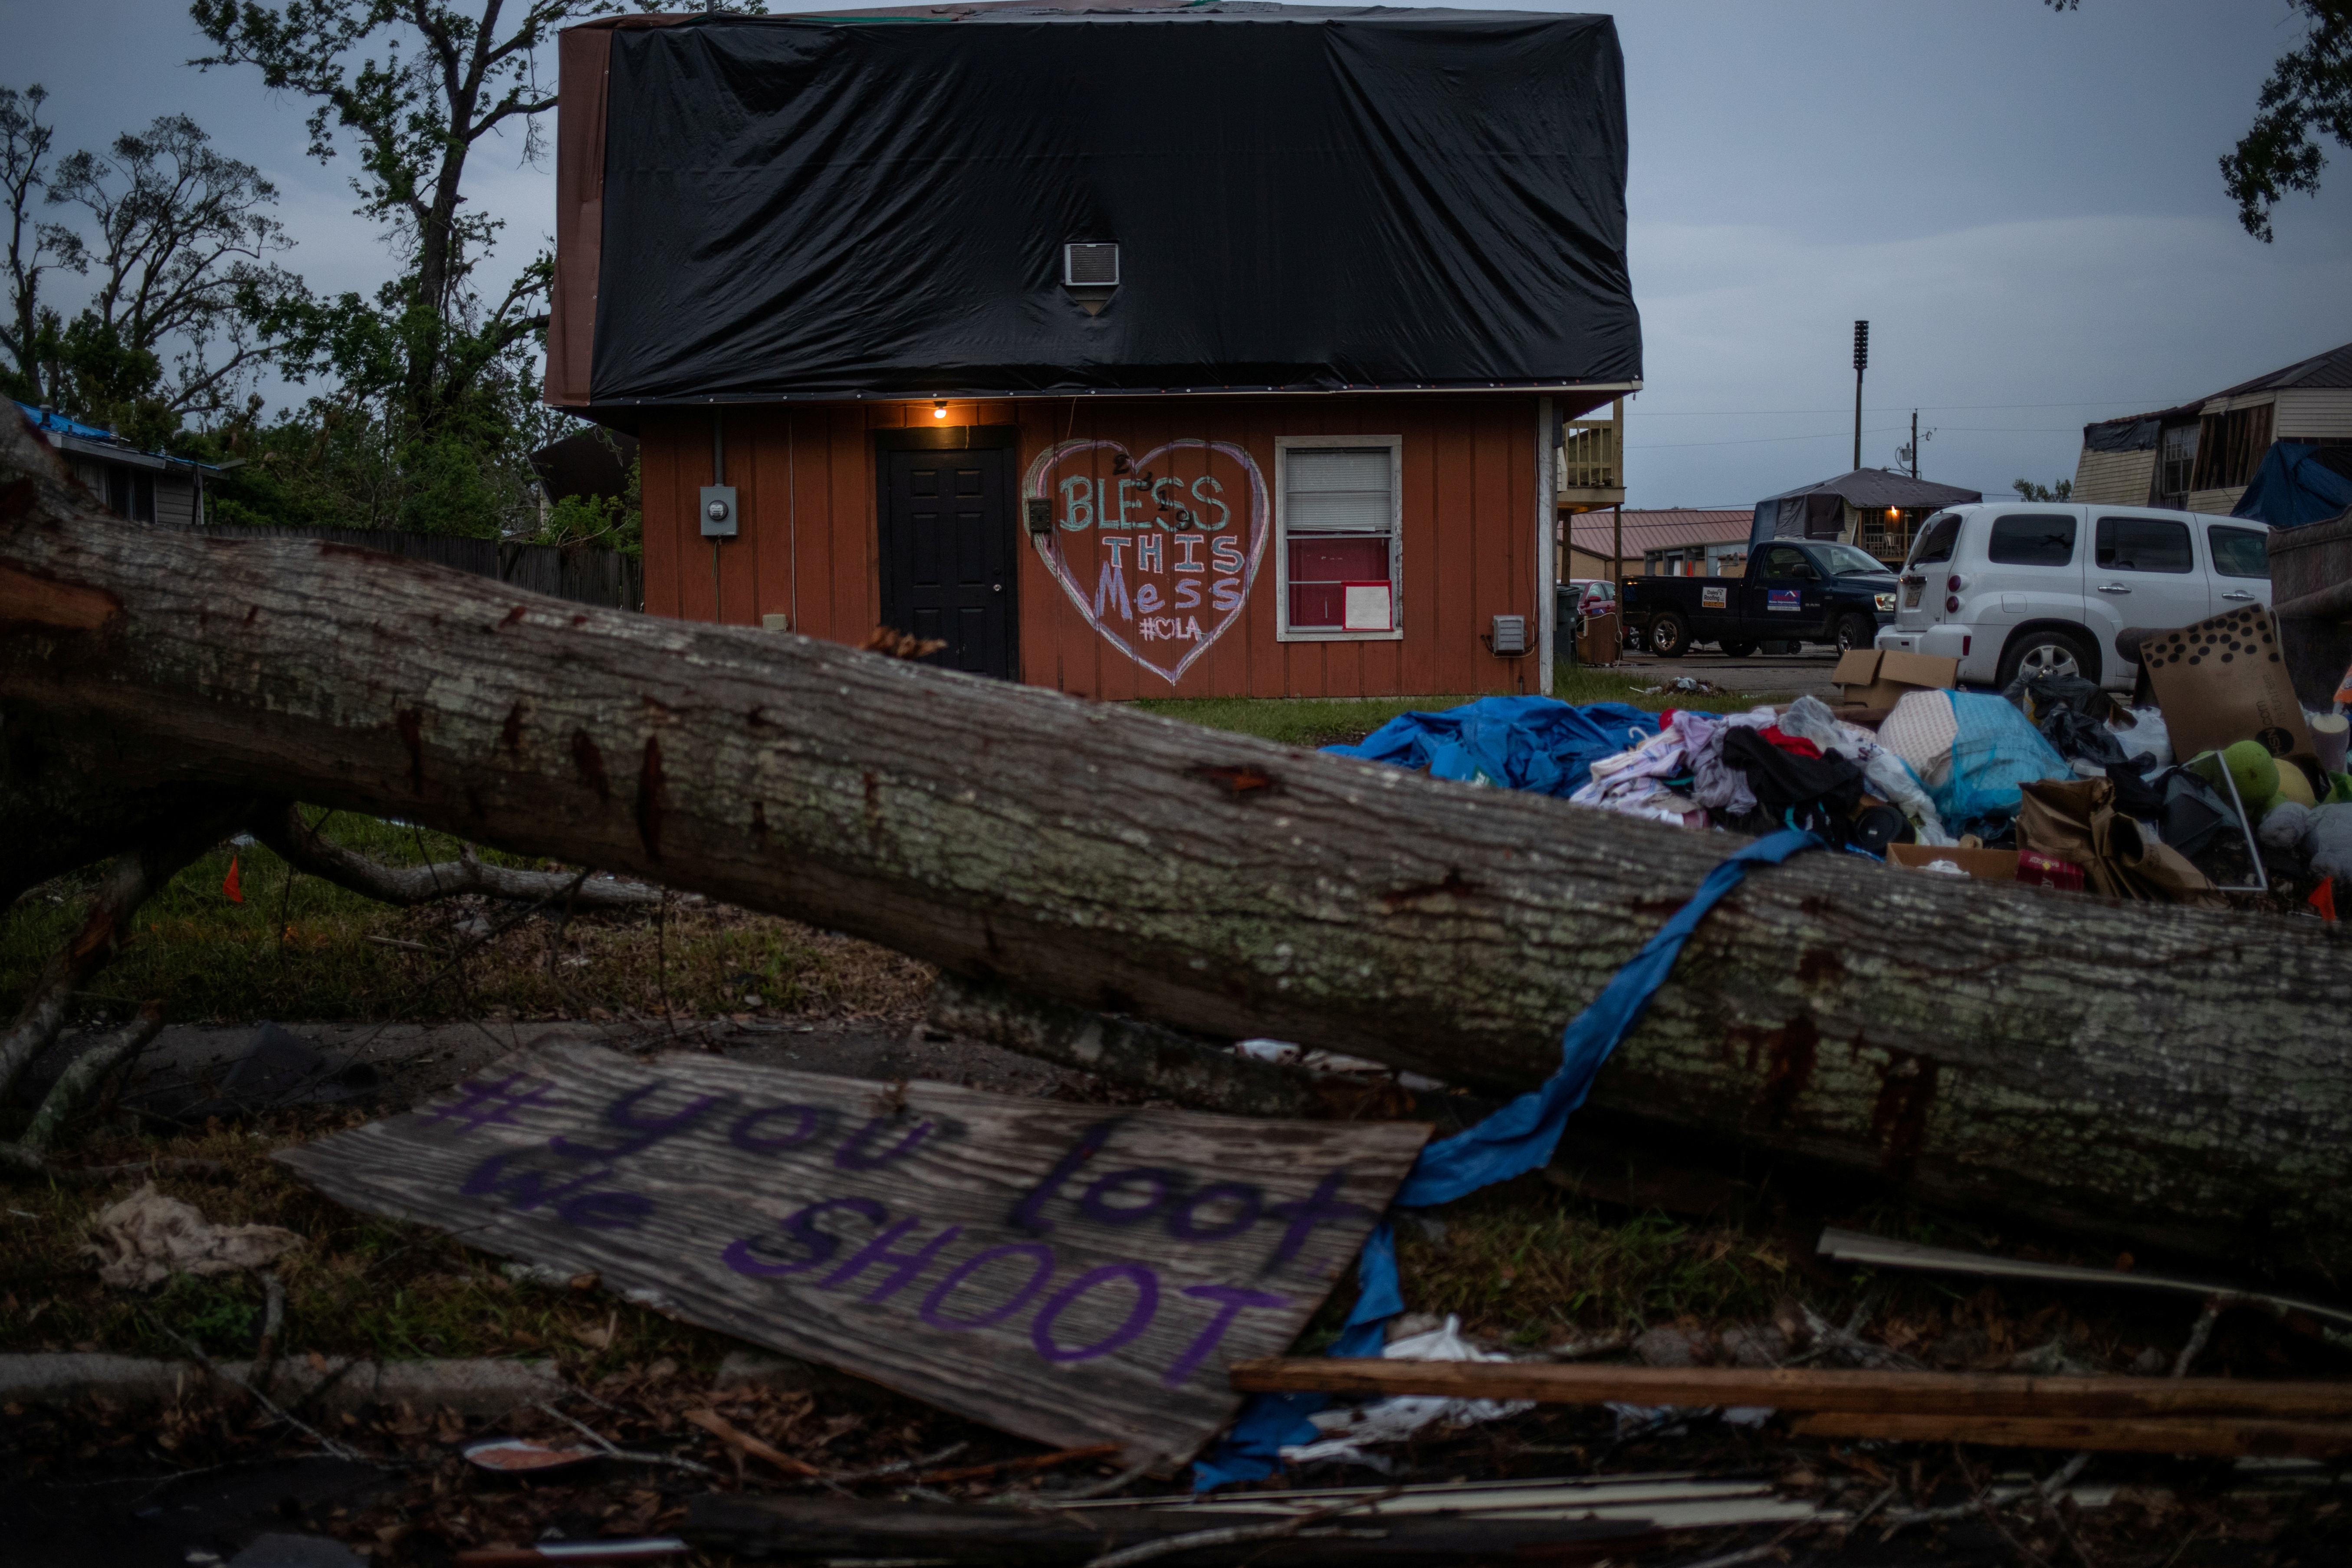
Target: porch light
x,y
939,409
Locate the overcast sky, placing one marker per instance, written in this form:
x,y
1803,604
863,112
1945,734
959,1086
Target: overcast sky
x,y
2025,206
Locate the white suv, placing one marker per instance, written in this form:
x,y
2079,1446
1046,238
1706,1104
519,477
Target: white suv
x,y
2014,585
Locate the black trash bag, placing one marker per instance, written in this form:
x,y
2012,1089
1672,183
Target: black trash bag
x,y
2071,714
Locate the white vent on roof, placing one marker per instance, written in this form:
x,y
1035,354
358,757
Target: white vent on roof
x,y
1091,265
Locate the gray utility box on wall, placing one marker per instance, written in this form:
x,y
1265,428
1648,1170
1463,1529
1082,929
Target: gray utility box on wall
x,y
718,511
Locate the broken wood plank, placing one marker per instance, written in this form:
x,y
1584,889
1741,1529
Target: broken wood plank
x,y
1072,1274
2221,1436
1979,1394
828,1529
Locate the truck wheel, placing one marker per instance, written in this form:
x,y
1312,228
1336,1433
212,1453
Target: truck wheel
x,y
1738,650
1855,632
1669,638
2048,651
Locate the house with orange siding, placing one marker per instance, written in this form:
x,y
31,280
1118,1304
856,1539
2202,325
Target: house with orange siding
x,y
1220,349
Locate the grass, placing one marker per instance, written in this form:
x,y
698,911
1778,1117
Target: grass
x,y
358,1286
300,948
1335,721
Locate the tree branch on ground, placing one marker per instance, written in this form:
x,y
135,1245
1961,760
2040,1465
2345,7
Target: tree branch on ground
x,y
306,849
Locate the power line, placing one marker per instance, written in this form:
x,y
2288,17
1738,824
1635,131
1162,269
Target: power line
x,y
1923,407
1760,440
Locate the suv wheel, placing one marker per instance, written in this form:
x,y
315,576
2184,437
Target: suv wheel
x,y
2046,652
1669,638
1855,632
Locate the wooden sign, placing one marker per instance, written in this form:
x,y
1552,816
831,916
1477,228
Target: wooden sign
x,y
1073,1274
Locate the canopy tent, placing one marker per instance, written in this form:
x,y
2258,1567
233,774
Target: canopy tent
x,y
1818,511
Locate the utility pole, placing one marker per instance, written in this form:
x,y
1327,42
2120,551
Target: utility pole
x,y
1915,443
1860,362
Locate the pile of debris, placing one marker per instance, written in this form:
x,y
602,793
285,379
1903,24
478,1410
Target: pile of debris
x,y
2213,785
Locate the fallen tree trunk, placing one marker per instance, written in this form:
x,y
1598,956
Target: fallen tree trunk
x,y
2170,1076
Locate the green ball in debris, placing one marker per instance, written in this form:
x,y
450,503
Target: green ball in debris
x,y
2254,769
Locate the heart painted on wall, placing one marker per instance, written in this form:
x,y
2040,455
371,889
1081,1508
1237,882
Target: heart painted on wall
x,y
1147,547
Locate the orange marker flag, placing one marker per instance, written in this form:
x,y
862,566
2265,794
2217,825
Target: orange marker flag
x,y
235,894
2323,898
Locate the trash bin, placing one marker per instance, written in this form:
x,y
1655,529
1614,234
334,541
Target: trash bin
x,y
1565,597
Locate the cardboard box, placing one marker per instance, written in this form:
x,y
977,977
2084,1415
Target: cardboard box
x,y
1984,865
2222,681
1878,678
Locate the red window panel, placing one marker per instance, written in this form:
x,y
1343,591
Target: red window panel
x,y
1320,564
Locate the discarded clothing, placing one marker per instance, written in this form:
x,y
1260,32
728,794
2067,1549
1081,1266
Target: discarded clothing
x,y
1634,783
1817,793
1791,743
1716,784
1887,776
147,1237
1531,744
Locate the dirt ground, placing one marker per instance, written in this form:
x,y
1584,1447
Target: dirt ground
x,y
1631,1236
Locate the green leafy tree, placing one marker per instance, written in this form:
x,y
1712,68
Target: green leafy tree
x,y
179,241
2307,98
418,86
2028,491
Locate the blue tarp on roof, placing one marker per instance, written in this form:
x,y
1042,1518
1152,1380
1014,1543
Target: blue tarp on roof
x,y
2295,485
53,420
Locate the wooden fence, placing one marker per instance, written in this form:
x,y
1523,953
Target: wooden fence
x,y
585,576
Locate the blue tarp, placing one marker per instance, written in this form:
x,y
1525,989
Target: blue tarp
x,y
59,422
2293,487
1533,743
1996,750
1532,737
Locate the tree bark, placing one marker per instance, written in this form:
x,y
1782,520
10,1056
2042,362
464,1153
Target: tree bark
x,y
2173,1076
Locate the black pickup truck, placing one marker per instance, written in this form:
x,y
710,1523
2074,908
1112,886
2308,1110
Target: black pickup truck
x,y
1795,590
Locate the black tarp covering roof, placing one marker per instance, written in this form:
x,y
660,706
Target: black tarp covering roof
x,y
1303,198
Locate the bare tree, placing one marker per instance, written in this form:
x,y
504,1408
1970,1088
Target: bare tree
x,y
182,243
34,246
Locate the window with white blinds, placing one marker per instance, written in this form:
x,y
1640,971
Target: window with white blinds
x,y
1338,546
1338,491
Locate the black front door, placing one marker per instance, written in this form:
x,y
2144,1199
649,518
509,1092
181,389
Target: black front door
x,y
946,552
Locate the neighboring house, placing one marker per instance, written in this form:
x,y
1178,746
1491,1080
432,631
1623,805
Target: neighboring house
x,y
1876,509
2201,456
1206,349
145,487
1661,542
